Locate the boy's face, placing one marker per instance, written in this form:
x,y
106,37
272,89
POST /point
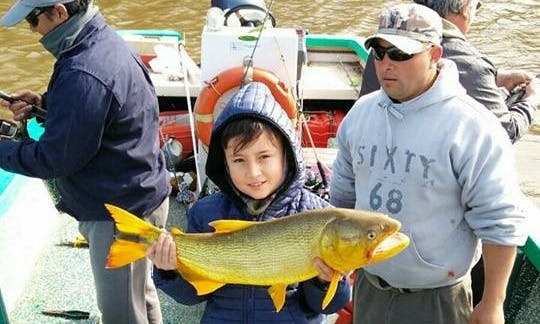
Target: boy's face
x,y
257,170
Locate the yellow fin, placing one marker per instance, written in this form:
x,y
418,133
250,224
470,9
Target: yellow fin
x,y
230,225
200,283
124,252
277,293
206,286
336,277
175,231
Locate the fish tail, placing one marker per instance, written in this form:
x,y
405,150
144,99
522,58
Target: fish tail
x,y
124,251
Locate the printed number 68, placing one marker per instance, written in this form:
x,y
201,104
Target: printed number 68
x,y
393,203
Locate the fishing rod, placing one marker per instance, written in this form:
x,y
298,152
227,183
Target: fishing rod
x,y
249,65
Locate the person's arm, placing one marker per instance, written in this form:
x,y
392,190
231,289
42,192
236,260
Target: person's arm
x,y
498,264
479,78
494,206
73,130
342,185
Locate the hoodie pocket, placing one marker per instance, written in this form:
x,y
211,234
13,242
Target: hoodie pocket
x,y
419,272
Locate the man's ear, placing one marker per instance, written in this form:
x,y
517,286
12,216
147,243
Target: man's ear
x,y
436,53
60,12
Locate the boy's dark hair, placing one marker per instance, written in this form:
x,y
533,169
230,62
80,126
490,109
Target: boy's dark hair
x,y
247,130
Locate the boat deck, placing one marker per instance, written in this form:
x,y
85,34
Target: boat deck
x,y
62,280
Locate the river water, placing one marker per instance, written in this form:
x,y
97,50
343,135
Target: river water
x,y
504,30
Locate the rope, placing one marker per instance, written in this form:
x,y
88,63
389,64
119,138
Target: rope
x,y
191,120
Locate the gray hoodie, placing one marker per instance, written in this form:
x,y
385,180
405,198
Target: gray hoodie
x,y
442,165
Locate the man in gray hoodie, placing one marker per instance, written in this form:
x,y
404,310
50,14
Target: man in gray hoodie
x,y
424,152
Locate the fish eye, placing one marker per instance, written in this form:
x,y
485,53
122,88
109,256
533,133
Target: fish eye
x,y
371,235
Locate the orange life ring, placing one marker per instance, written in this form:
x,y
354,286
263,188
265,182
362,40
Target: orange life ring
x,y
228,79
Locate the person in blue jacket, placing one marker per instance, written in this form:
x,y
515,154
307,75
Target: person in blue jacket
x,y
99,143
256,161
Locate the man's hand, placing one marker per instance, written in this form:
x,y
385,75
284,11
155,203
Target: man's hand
x,y
23,105
532,93
487,313
163,252
510,79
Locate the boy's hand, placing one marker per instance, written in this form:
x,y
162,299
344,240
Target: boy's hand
x,y
163,253
325,272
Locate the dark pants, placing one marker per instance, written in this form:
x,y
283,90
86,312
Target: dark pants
x,y
376,304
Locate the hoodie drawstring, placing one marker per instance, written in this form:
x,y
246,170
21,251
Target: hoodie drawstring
x,y
389,107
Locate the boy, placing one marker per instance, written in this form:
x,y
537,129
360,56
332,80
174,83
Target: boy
x,y
257,163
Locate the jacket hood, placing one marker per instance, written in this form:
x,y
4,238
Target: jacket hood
x,y
255,100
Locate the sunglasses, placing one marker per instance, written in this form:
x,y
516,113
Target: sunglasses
x,y
394,53
33,17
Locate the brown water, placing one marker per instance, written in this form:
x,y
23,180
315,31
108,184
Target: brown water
x,y
504,30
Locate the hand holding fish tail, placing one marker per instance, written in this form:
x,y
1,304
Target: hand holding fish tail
x,y
163,252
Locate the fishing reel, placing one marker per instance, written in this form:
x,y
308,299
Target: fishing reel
x,y
9,130
13,131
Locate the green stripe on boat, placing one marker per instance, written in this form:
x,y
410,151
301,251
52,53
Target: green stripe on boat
x,y
354,43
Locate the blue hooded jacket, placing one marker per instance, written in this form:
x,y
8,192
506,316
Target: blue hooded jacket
x,y
252,304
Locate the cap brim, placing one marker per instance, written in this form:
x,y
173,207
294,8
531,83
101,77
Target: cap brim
x,y
407,45
15,14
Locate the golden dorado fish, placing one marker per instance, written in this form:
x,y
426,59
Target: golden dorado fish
x,y
273,253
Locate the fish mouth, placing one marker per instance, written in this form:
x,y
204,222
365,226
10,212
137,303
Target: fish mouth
x,y
389,247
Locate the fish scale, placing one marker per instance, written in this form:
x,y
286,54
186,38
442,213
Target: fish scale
x,y
233,256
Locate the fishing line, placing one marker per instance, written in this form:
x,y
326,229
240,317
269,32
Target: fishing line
x,y
250,61
351,80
